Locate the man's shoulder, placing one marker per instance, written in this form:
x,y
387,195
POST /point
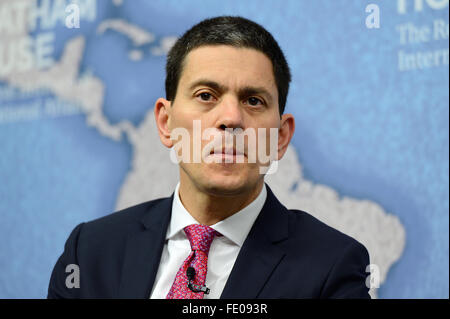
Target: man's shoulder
x,y
120,222
335,262
304,227
126,215
308,234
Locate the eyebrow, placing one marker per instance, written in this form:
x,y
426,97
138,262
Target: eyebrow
x,y
244,91
212,84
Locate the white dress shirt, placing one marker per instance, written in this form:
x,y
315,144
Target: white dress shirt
x,y
223,251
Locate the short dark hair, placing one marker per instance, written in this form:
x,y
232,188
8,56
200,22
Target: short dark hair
x,y
234,31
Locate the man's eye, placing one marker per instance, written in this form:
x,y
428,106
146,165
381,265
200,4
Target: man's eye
x,y
205,96
254,101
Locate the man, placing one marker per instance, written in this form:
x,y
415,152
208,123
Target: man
x,y
223,233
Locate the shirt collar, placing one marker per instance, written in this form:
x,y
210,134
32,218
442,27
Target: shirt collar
x,y
235,228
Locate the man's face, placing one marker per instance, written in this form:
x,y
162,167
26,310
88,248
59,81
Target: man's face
x,y
225,87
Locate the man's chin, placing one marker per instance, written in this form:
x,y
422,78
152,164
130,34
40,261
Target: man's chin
x,y
221,185
223,179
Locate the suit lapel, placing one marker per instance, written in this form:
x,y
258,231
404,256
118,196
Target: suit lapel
x,y
257,259
143,252
261,253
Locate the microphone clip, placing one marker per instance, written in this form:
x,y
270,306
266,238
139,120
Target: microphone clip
x,y
190,273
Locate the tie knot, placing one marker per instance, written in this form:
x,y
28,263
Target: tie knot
x,y
200,236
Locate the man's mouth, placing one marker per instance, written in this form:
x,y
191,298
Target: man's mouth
x,y
228,151
228,154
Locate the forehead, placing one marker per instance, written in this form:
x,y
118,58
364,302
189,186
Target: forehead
x,y
230,66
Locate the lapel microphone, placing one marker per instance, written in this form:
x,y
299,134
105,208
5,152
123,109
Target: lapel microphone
x,y
190,273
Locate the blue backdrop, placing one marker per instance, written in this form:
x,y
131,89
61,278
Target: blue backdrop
x,y
371,102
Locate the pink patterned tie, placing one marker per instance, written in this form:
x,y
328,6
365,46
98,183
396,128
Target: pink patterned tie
x,y
200,237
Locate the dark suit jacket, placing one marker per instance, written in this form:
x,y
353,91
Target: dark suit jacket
x,y
287,254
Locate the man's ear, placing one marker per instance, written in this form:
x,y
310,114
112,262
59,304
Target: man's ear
x,y
162,112
285,133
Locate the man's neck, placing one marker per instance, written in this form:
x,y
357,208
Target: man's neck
x,y
209,209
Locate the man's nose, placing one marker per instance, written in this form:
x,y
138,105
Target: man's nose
x,y
230,115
